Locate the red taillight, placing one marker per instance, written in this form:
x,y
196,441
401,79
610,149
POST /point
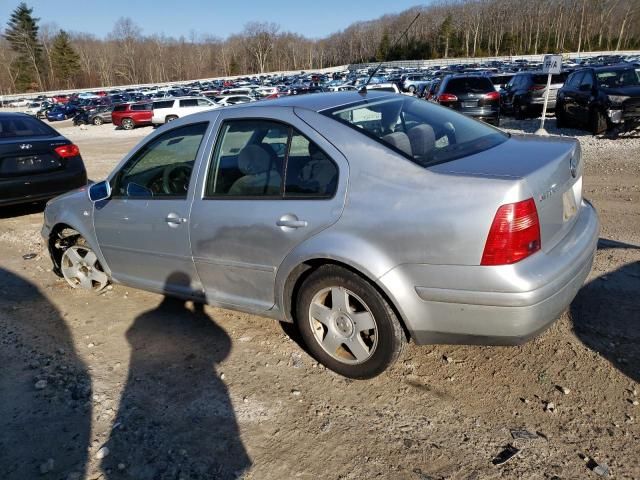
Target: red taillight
x,y
66,151
492,96
447,97
514,234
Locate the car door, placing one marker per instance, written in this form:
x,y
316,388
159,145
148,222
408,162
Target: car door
x,y
272,182
569,95
143,229
584,97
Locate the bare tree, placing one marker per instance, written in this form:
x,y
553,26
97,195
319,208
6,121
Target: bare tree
x,y
259,38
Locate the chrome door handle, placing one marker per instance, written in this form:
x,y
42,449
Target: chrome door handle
x,y
173,219
291,221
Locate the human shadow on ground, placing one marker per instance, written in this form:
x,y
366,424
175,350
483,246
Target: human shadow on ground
x,y
175,418
45,388
606,317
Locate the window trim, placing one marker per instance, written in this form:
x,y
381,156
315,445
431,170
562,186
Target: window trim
x,y
282,195
115,178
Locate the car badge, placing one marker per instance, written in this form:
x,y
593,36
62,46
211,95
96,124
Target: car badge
x,y
25,146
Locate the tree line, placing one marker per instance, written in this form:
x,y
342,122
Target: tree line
x,y
36,55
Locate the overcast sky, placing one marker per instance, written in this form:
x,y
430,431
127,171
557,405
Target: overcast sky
x,y
313,19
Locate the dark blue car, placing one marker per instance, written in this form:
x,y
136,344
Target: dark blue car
x,y
61,112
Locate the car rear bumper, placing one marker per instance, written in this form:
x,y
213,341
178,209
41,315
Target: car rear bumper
x,y
41,187
504,305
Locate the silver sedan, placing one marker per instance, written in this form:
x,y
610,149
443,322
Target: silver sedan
x,y
367,219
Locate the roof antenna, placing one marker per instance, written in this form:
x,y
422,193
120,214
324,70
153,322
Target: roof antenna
x,y
363,88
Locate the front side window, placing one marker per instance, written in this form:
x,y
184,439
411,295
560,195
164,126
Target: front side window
x,y
252,157
162,168
425,133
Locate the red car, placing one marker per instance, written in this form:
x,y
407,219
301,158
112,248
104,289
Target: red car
x,y
131,115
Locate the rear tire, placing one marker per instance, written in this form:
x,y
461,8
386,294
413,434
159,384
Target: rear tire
x,y
412,89
597,122
170,118
98,121
346,324
128,124
561,119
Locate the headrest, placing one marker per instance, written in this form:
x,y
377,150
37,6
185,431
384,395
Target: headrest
x,y
253,160
400,140
423,139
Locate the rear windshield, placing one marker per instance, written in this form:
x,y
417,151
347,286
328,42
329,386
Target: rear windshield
x,y
618,78
542,78
459,86
423,132
20,126
501,79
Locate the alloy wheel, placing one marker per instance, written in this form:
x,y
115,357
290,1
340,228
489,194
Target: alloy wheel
x,y
81,269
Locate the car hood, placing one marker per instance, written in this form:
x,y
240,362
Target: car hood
x,y
633,91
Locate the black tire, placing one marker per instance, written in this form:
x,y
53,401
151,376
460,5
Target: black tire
x,y
128,124
98,121
597,122
390,336
412,89
170,118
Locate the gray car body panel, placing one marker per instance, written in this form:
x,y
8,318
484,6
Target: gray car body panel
x,y
417,233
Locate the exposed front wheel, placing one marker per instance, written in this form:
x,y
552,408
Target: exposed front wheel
x,y
598,122
347,324
81,268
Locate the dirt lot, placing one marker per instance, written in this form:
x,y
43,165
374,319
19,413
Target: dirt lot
x,y
175,391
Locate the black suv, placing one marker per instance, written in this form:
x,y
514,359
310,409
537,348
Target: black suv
x,y
473,95
524,94
600,98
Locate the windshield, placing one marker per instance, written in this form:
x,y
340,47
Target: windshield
x,y
618,78
423,132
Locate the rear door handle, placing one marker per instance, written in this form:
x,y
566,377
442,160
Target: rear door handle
x,y
173,219
291,221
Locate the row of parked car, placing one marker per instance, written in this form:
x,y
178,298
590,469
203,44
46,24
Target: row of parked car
x,y
594,97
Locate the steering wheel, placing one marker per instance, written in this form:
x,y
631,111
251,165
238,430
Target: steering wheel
x,y
175,178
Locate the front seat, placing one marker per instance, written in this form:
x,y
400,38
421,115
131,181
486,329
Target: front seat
x,y
258,177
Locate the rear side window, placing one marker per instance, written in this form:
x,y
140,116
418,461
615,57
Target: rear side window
x,y
20,126
119,108
163,104
542,78
462,85
310,172
143,106
189,102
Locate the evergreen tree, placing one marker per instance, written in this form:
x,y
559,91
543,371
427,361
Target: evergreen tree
x,y
22,35
383,47
65,62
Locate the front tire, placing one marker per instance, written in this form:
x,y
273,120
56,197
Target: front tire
x,y
81,268
561,118
347,324
518,110
98,121
597,122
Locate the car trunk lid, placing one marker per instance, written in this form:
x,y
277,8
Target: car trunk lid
x,y
30,156
548,170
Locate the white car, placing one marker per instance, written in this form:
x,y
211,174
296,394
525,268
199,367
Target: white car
x,y
165,111
19,103
33,108
225,100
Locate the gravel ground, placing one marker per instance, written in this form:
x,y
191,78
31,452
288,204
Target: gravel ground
x,y
130,385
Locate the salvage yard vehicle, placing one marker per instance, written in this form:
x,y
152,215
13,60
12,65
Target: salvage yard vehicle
x,y
525,92
473,95
364,218
95,116
131,115
165,111
600,99
36,162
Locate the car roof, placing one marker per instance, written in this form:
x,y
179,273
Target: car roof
x,y
318,102
617,66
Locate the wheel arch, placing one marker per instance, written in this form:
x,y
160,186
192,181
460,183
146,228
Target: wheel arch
x,y
291,283
82,231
